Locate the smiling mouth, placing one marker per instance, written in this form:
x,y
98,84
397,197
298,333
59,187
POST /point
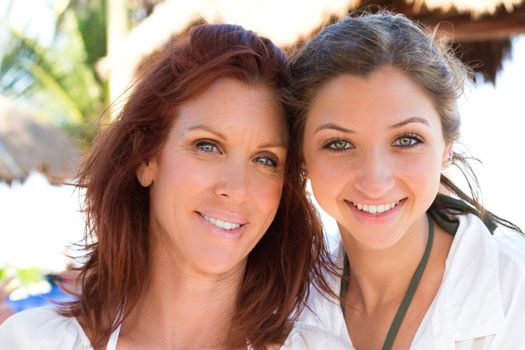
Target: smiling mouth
x,y
225,225
376,209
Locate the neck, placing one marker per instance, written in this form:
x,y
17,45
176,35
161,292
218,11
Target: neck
x,y
381,277
183,308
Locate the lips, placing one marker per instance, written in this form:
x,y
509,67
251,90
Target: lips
x,y
375,209
376,214
225,225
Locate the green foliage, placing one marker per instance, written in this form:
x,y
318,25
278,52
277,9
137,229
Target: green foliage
x,y
92,28
26,275
60,82
29,275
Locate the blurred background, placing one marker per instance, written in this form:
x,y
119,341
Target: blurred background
x,y
65,65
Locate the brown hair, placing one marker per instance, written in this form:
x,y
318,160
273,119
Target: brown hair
x,y
283,263
361,44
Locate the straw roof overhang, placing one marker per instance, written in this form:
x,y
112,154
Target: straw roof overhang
x,y
482,28
483,41
465,20
28,145
475,8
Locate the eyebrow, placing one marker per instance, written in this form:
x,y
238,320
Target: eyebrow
x,y
222,136
333,126
409,121
206,128
273,145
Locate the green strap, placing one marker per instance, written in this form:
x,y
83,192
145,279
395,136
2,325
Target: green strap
x,y
407,299
449,204
412,287
344,283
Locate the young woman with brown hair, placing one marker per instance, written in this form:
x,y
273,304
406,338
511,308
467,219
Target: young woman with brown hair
x,y
198,228
374,101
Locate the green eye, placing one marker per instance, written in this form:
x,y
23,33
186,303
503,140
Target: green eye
x,y
338,145
408,141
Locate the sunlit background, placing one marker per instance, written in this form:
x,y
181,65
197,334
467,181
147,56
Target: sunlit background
x,y
39,220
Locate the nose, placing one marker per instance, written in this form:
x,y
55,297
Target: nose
x,y
375,174
233,182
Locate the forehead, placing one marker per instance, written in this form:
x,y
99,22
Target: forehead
x,y
385,97
231,105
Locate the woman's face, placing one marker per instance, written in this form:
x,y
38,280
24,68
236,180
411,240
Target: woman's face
x,y
218,180
374,151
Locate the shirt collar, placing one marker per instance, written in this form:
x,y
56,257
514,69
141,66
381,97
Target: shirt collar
x,y
468,304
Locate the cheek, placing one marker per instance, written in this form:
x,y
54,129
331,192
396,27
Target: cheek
x,y
267,191
328,177
179,180
422,175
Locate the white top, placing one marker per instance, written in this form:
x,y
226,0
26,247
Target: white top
x,y
42,328
480,304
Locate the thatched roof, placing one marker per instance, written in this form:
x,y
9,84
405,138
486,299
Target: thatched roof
x,y
270,18
475,8
485,25
26,145
481,30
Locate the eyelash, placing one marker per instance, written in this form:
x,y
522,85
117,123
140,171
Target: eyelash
x,y
205,143
268,160
414,138
273,162
330,143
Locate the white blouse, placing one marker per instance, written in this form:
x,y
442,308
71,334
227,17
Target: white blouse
x,y
480,304
43,328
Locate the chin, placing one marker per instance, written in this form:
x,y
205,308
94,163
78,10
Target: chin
x,y
378,239
380,244
218,264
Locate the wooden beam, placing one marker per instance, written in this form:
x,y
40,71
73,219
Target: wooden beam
x,y
479,30
463,27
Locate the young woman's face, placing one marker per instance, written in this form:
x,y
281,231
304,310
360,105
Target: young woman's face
x,y
217,182
374,151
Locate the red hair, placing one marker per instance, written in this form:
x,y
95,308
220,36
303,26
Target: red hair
x,y
281,266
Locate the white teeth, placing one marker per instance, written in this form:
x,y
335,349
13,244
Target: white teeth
x,y
376,209
225,225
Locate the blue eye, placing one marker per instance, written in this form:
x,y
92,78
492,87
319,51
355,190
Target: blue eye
x,y
207,147
408,141
338,145
266,161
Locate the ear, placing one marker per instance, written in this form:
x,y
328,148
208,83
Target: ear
x,y
146,173
303,164
447,156
303,170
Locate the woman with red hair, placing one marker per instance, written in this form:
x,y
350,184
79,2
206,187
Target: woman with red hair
x,y
200,234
